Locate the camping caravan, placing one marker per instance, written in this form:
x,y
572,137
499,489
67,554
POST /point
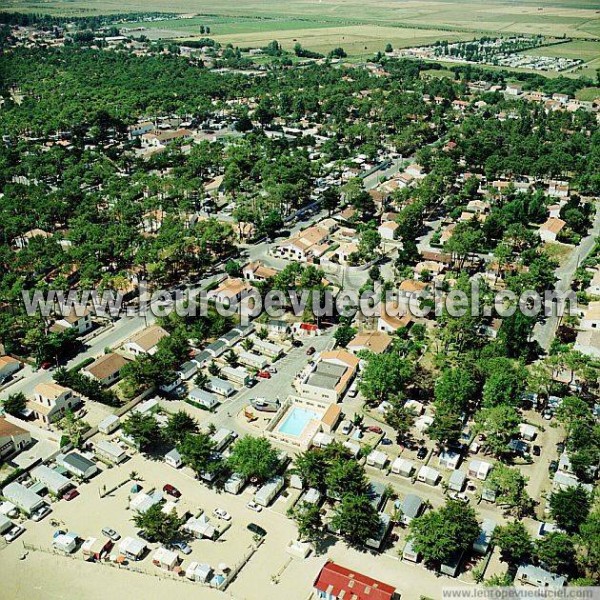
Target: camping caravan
x,y
456,482
479,469
165,559
109,424
220,386
199,572
65,542
187,370
449,459
200,527
377,459
132,548
265,495
452,566
403,466
235,483
96,549
428,475
221,438
484,540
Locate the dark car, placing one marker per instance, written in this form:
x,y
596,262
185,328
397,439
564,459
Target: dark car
x,y
553,467
310,351
297,344
421,453
537,450
147,538
71,494
560,447
256,529
386,442
171,490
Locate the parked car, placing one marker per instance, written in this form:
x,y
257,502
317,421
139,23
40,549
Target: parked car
x,y
183,546
171,490
46,365
39,514
71,494
387,442
310,351
221,513
460,497
264,374
553,467
271,370
346,427
297,344
375,429
536,450
251,383
14,533
144,536
421,452
256,529
253,506
560,447
111,534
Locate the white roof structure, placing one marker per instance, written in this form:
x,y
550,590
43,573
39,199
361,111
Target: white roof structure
x,y
5,523
22,497
199,527
353,447
53,480
132,546
166,558
403,466
321,440
479,469
198,572
428,475
142,501
377,459
108,424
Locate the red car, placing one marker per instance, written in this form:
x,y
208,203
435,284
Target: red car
x,y
71,494
264,374
171,490
375,429
46,365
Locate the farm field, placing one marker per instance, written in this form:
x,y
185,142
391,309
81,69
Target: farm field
x,y
361,26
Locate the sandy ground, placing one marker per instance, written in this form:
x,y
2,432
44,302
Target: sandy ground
x,y
270,572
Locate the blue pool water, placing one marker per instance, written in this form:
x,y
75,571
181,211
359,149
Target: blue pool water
x,y
297,420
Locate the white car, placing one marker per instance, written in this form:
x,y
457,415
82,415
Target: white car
x,y
271,370
14,533
39,514
253,506
221,513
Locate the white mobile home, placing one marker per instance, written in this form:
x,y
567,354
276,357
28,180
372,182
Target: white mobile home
x,y
109,424
479,469
456,482
220,386
377,459
65,542
204,398
23,498
449,459
409,553
77,465
173,458
165,559
273,351
199,572
221,438
52,480
235,483
187,370
200,527
265,495
111,452
253,360
238,375
484,540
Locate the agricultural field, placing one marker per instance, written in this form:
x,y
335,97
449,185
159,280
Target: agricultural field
x,y
360,26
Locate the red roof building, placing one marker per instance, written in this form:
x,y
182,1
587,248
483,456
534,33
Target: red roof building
x,y
336,583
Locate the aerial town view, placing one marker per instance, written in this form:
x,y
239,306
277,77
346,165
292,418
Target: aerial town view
x,y
299,299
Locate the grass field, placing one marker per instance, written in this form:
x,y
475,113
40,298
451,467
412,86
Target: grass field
x,y
362,25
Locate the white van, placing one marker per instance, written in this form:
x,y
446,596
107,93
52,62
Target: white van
x,y
353,391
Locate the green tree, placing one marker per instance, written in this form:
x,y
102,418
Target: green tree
x,y
179,425
441,534
308,519
499,424
312,466
198,452
510,487
356,519
556,552
346,477
384,375
344,335
570,508
15,403
400,418
158,525
514,542
254,457
143,429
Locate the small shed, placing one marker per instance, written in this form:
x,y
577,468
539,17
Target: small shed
x,y
403,466
428,475
377,459
173,458
409,553
456,482
528,432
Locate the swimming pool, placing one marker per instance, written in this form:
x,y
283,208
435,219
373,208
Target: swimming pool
x,y
297,420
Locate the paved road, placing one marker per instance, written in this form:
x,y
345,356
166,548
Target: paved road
x,y
544,332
